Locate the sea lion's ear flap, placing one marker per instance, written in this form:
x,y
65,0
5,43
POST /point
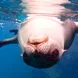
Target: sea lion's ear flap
x,y
12,40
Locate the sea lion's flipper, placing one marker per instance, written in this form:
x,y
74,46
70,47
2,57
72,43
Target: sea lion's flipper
x,y
15,31
12,40
76,25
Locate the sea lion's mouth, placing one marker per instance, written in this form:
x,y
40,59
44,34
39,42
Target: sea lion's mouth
x,y
38,41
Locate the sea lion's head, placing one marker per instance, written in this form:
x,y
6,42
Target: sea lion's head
x,y
42,54
40,49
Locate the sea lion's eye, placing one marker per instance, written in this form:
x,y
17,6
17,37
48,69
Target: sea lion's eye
x,y
55,54
26,57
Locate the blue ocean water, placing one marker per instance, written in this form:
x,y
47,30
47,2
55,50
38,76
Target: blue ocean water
x,y
11,63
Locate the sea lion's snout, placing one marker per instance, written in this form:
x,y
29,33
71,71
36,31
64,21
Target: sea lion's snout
x,y
43,53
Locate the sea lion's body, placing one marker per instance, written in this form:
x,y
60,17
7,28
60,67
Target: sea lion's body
x,y
69,33
44,37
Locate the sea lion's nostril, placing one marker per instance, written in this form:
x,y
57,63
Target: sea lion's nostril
x,y
36,41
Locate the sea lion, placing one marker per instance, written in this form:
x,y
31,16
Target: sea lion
x,y
43,38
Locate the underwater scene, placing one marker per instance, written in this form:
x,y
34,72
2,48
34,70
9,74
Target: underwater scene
x,y
11,62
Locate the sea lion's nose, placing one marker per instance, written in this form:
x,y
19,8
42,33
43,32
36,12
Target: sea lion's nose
x,y
38,40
